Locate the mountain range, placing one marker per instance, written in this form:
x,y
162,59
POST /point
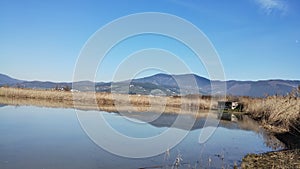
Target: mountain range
x,y
165,84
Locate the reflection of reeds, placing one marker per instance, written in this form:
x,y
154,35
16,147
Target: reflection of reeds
x,y
104,101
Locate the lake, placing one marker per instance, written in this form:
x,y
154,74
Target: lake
x,y
52,138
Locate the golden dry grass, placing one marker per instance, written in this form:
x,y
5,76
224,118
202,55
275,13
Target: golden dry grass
x,y
275,112
105,101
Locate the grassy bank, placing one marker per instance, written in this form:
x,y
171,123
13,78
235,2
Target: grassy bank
x,y
276,113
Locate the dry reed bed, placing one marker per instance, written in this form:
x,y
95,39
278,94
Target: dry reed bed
x,y
104,101
277,113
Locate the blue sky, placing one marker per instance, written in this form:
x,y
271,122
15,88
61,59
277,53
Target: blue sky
x,y
255,39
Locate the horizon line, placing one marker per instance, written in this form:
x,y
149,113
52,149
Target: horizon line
x,y
192,73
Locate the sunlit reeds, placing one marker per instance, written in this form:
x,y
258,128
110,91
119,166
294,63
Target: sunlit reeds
x,y
277,112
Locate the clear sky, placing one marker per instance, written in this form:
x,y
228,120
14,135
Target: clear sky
x,y
255,39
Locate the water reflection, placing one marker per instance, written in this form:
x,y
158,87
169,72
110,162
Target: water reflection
x,y
33,137
244,123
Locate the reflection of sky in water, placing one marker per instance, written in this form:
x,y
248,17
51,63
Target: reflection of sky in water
x,y
32,137
132,128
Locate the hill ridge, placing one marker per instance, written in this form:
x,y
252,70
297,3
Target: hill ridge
x,y
166,84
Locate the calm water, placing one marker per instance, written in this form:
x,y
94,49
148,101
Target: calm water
x,y
46,138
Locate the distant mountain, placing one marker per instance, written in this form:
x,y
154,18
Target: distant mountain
x,y
159,84
261,88
6,80
164,84
172,80
42,85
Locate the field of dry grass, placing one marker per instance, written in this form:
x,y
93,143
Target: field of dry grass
x,y
105,101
